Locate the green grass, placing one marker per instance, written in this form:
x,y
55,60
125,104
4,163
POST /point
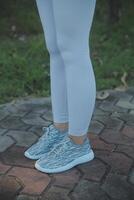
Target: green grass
x,y
112,48
24,65
24,68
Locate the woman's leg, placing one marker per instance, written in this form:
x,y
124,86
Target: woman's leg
x,y
73,20
57,69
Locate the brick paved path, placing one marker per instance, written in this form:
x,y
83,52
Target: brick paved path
x,y
109,176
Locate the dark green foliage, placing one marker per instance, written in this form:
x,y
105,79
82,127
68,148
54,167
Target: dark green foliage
x,y
24,59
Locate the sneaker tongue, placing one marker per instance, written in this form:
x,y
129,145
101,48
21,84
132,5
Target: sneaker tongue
x,y
52,127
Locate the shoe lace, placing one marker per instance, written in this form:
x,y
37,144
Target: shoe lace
x,y
47,132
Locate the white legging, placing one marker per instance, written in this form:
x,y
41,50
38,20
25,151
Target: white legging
x,y
66,25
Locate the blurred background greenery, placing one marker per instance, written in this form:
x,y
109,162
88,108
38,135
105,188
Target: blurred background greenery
x,y
24,59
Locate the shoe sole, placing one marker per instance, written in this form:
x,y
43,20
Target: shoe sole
x,y
83,159
27,155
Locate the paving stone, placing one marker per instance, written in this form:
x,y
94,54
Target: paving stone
x,y
27,197
121,95
55,193
5,142
9,187
97,143
34,119
125,104
13,123
116,137
110,122
25,107
14,111
118,162
4,168
29,107
100,118
113,123
2,106
67,179
112,139
98,111
88,190
97,103
44,100
40,109
37,130
126,117
131,176
107,106
130,91
2,131
33,100
117,123
131,112
95,127
15,156
93,170
129,123
111,99
128,131
34,181
128,150
48,115
117,187
132,101
23,138
3,114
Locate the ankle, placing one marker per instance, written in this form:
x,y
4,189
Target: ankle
x,y
61,130
61,127
77,139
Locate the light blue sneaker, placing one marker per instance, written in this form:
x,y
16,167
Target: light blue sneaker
x,y
64,156
46,142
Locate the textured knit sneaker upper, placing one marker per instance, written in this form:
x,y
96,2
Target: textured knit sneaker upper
x,y
64,153
50,137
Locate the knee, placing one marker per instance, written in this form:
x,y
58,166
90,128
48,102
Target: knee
x,y
52,49
71,49
65,44
51,46
66,50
